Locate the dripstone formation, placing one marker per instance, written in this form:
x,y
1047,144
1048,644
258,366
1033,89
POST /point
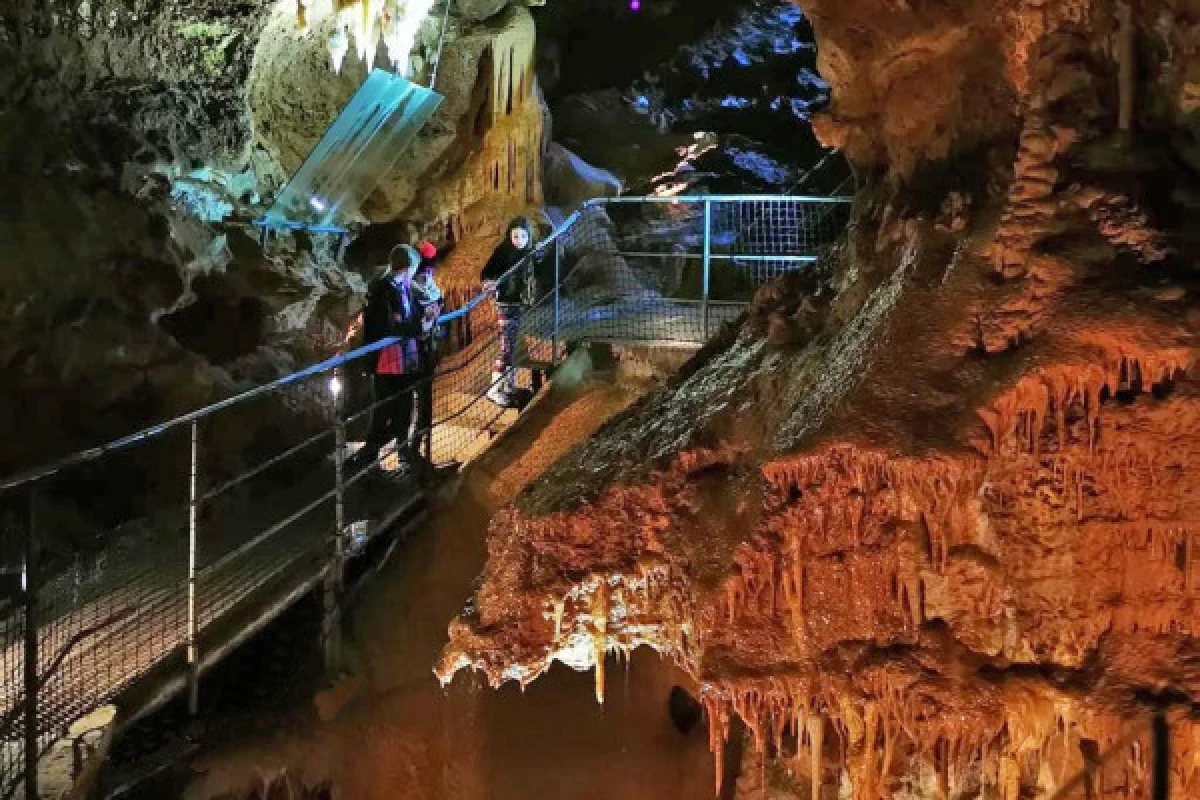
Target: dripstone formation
x,y
924,524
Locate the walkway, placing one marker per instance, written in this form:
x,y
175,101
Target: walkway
x,y
255,529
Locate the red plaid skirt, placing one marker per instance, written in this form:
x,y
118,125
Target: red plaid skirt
x,y
401,358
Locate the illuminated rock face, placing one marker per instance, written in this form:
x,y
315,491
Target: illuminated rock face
x,y
475,165
138,140
925,524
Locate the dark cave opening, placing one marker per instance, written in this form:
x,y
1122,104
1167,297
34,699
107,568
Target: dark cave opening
x,y
685,711
218,326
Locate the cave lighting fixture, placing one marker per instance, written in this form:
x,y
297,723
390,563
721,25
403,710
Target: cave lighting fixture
x,y
365,23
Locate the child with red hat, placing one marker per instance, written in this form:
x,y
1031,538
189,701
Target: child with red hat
x,y
429,295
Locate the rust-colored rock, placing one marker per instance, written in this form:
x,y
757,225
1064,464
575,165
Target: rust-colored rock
x,y
941,542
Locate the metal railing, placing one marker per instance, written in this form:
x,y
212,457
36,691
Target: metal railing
x,y
667,271
121,559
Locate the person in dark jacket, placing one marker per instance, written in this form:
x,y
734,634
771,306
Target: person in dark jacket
x,y
429,295
393,310
517,244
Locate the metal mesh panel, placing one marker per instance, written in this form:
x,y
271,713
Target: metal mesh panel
x,y
126,524
107,584
755,241
669,272
12,655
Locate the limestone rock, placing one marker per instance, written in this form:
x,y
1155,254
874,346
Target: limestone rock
x,y
944,517
479,10
569,180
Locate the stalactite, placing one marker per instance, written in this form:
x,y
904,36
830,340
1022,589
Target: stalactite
x,y
718,731
1018,416
559,608
600,636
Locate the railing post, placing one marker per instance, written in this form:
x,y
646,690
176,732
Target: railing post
x,y
193,650
557,311
32,683
331,638
707,264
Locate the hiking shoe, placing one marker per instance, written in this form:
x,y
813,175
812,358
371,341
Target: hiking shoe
x,y
500,397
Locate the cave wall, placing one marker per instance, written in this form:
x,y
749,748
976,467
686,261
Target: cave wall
x,y
139,141
150,81
925,522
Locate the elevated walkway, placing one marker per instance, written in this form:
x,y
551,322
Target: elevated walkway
x,y
149,558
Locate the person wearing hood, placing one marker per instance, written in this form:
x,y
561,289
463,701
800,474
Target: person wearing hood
x,y
517,245
394,310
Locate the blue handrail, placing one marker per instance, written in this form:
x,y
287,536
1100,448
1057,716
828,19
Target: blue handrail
x,y
154,431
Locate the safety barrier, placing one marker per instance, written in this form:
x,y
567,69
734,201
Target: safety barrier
x,y
125,559
665,271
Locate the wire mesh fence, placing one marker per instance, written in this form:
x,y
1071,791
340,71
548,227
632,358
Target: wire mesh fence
x,y
12,651
150,547
667,271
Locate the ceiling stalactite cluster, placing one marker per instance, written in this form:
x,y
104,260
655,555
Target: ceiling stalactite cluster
x,y
367,24
941,544
475,165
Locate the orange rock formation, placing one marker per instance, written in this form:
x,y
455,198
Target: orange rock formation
x,y
943,544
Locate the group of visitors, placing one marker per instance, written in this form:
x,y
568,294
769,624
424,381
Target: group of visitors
x,y
404,303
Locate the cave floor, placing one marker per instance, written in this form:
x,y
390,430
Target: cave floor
x,y
392,731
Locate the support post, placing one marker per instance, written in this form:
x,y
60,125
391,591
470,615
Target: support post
x,y
331,626
707,264
557,309
193,650
32,682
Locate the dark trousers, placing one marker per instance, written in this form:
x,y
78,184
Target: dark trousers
x,y
425,400
392,415
508,319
